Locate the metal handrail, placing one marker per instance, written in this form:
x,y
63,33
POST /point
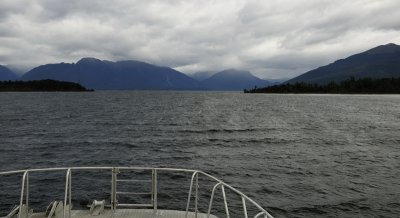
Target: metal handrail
x,y
225,202
244,207
154,189
25,177
68,191
114,173
263,211
212,198
154,179
194,175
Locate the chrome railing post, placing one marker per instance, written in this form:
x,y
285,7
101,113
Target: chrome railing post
x,y
190,193
114,189
70,193
27,193
25,177
212,198
154,191
225,202
67,195
244,207
197,194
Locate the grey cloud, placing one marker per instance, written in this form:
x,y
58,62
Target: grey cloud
x,y
275,38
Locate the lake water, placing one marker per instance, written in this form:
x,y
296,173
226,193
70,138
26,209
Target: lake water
x,y
296,155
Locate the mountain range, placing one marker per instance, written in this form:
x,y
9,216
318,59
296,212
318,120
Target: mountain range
x,y
135,75
122,75
379,62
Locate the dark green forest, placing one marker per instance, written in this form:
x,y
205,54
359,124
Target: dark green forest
x,y
350,86
41,86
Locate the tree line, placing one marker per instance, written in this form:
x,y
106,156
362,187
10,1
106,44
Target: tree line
x,y
41,86
350,86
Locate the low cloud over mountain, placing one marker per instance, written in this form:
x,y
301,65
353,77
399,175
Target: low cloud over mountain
x,y
272,39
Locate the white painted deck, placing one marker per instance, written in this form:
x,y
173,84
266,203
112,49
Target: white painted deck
x,y
129,213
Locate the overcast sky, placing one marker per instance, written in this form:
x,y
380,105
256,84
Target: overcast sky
x,y
271,38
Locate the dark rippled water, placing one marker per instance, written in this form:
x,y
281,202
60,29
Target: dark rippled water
x,y
297,155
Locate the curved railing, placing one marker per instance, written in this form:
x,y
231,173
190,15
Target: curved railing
x,y
23,209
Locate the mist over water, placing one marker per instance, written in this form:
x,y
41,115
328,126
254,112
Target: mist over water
x,y
296,155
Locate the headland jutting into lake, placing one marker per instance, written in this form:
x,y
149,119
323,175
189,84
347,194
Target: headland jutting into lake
x,y
351,86
41,86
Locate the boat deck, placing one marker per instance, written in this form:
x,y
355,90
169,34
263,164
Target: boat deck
x,y
142,178
130,213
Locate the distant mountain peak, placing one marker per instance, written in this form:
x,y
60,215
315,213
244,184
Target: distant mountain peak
x,y
88,60
235,73
383,49
202,75
233,79
232,70
392,44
